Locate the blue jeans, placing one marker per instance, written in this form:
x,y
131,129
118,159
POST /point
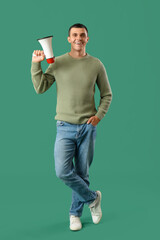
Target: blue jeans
x,y
75,141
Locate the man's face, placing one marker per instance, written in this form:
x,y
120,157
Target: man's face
x,y
78,38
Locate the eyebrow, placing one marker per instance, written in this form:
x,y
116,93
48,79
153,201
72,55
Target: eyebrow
x,y
80,34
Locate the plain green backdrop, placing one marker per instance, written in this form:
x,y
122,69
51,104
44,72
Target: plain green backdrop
x,y
34,203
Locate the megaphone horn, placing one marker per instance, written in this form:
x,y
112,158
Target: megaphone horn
x,y
46,44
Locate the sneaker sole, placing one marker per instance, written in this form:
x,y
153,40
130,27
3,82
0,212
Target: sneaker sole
x,y
74,229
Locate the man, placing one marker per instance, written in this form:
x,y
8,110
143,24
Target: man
x,y
75,74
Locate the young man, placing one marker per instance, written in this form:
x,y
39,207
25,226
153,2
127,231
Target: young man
x,y
75,74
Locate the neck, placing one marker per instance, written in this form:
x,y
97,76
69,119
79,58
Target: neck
x,y
77,54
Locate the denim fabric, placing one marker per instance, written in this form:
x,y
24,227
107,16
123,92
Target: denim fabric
x,y
73,155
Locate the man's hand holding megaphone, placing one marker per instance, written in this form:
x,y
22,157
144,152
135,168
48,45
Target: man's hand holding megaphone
x,y
38,56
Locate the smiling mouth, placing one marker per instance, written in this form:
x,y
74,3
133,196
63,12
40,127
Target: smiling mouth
x,y
78,43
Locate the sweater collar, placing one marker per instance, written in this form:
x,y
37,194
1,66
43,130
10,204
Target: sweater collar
x,y
77,59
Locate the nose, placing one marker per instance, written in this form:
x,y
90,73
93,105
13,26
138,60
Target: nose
x,y
79,38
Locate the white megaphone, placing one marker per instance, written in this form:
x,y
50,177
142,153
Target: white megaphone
x,y
46,44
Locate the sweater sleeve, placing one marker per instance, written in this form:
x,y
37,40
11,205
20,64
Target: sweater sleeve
x,y
41,81
105,91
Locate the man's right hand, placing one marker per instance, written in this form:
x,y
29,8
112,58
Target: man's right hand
x,y
39,56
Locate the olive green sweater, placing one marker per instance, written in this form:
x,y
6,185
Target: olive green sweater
x,y
75,82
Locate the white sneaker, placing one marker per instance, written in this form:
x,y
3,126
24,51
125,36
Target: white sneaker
x,y
95,208
75,223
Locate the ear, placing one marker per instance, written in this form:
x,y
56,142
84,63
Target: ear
x,y
68,38
87,39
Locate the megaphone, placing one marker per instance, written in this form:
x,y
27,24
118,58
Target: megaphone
x,y
46,44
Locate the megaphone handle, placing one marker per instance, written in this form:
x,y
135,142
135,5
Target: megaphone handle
x,y
49,60
34,55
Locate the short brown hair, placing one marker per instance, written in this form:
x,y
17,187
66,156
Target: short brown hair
x,y
77,25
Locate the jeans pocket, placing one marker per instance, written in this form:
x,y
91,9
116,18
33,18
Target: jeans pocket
x,y
93,126
60,123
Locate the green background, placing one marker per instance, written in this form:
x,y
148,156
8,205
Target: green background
x,y
34,203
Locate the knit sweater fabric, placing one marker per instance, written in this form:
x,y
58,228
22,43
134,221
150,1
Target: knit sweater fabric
x,y
75,83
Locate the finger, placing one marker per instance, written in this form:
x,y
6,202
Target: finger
x,y
94,121
33,54
89,120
